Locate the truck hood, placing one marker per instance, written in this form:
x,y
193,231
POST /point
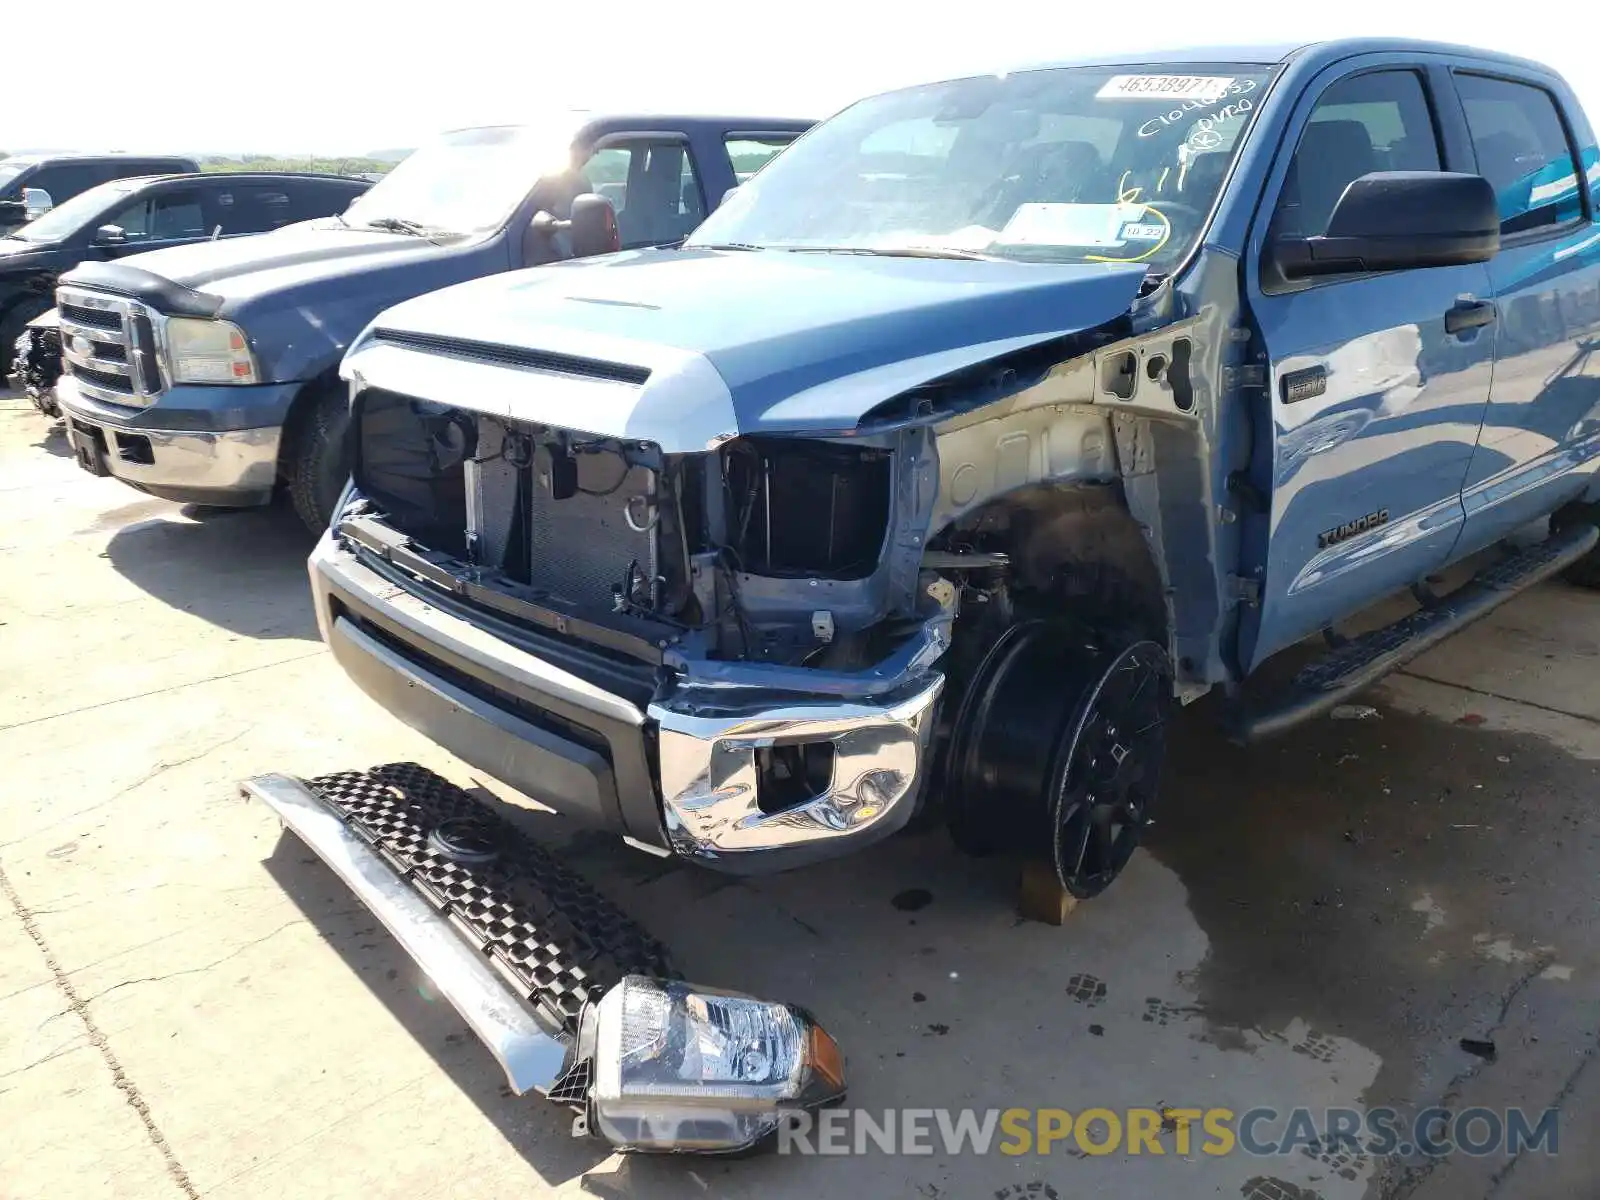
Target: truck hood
x,y
14,252
688,347
243,269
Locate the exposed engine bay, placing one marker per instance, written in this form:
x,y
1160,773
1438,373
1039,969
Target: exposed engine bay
x,y
764,550
755,639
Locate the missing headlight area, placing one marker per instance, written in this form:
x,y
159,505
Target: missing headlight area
x,y
762,549
801,508
573,519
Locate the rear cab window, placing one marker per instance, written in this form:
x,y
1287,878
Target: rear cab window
x,y
1524,150
749,152
265,208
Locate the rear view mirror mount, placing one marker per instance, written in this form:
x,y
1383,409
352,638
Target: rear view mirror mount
x,y
36,202
590,230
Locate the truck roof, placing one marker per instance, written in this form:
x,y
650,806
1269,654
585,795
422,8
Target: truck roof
x,y
1284,52
250,176
582,121
78,155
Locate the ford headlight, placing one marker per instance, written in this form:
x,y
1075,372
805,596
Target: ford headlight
x,y
683,1068
207,351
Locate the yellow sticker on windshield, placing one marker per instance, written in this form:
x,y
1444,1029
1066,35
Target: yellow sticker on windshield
x,y
1165,87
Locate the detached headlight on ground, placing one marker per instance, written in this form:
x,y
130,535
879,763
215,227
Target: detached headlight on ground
x,y
651,1064
682,1068
207,351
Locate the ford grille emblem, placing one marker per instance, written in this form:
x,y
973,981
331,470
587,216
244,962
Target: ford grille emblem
x,y
82,346
467,840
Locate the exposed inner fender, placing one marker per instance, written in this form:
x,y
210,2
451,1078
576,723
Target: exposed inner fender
x,y
1075,550
1082,437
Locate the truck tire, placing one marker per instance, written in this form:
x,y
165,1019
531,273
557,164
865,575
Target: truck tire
x,y
316,459
1586,571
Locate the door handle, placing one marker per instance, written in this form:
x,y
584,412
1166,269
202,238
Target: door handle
x,y
1469,314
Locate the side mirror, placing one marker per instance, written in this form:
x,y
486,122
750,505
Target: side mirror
x,y
110,235
591,230
1396,221
36,202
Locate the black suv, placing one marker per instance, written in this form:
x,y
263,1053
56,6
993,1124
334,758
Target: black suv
x,y
53,179
130,216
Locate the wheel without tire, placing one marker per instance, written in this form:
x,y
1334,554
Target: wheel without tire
x,y
316,459
1057,752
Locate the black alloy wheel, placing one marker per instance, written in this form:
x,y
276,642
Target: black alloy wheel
x,y
1056,751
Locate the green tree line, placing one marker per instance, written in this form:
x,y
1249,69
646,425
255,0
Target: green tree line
x,y
327,166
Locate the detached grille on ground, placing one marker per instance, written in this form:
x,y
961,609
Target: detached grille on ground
x,y
550,934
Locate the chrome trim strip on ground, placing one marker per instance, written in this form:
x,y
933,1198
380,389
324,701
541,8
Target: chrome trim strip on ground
x,y
531,1055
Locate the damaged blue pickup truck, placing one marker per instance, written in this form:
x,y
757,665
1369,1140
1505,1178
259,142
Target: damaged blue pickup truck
x,y
992,419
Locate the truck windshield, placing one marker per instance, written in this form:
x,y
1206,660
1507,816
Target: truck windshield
x,y
1070,164
10,169
468,181
68,217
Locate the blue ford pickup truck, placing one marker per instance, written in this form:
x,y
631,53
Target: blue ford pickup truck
x,y
209,373
991,420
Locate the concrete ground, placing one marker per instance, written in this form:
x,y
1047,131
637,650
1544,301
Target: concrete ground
x,y
190,1005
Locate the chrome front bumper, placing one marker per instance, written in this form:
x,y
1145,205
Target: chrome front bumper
x,y
709,780
235,467
697,796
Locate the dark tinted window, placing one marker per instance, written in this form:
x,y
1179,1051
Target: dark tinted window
x,y
310,200
1523,150
261,208
1374,122
65,180
264,208
165,216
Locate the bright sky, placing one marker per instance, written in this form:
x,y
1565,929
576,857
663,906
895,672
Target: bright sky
x,y
348,76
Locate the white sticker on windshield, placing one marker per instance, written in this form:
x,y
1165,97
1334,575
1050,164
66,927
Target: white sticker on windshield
x,y
1092,225
1152,231
1165,87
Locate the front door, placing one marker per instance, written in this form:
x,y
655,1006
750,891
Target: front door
x,y
652,183
1375,404
166,217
